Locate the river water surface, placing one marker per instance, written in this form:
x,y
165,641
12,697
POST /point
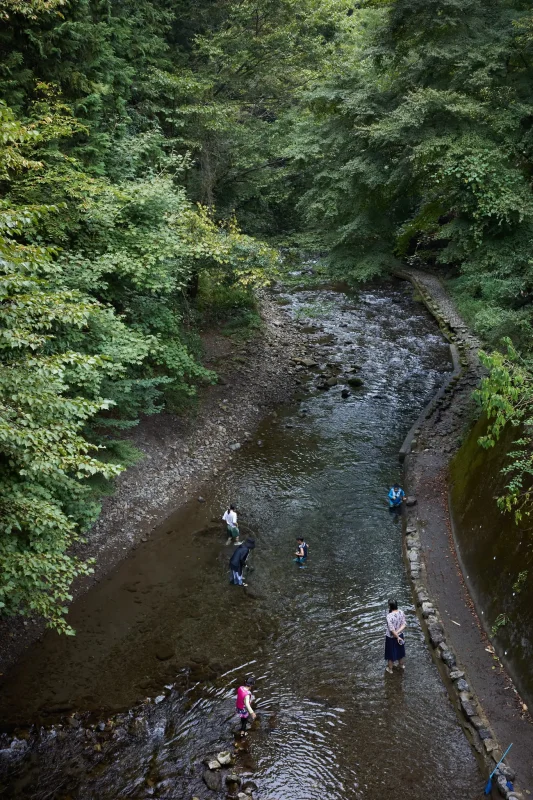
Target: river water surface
x,y
332,723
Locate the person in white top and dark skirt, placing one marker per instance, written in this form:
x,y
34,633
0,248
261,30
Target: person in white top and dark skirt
x,y
394,639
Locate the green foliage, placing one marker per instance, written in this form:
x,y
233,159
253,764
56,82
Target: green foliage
x,y
499,622
518,585
506,396
45,460
112,118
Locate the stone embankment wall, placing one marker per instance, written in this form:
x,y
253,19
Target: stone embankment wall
x,y
428,448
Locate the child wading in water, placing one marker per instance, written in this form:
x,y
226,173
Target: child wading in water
x,y
230,518
301,552
243,703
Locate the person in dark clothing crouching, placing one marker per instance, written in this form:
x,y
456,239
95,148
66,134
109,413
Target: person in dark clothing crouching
x,y
238,560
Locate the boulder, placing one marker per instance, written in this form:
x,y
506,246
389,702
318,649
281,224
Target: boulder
x,y
332,382
225,758
345,393
449,658
354,380
233,784
468,708
427,609
501,783
507,772
455,674
410,501
164,652
436,633
213,763
462,685
212,780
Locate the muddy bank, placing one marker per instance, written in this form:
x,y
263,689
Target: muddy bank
x,y
180,453
436,440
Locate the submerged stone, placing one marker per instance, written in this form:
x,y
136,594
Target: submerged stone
x,y
212,780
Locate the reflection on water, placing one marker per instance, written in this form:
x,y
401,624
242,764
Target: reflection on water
x,y
332,724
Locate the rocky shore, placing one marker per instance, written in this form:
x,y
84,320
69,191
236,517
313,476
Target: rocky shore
x,y
491,711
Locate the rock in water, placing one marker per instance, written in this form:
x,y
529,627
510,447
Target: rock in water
x,y
354,380
164,652
332,382
233,782
225,758
212,780
345,393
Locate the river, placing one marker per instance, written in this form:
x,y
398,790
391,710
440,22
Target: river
x,y
332,723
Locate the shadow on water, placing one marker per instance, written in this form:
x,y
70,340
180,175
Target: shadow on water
x,y
332,723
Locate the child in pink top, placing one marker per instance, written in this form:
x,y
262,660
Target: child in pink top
x,y
242,704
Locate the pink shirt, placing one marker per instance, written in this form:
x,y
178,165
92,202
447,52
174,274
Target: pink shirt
x,y
242,694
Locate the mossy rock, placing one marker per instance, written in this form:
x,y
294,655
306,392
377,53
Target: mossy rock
x,y
355,381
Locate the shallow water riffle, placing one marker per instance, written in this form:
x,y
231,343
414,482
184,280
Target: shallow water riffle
x,y
497,554
332,723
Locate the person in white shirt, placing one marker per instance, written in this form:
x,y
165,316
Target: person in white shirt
x,y
230,518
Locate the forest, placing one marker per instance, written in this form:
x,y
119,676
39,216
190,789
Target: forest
x,y
158,158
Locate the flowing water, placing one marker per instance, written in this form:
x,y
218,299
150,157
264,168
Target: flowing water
x,y
332,723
